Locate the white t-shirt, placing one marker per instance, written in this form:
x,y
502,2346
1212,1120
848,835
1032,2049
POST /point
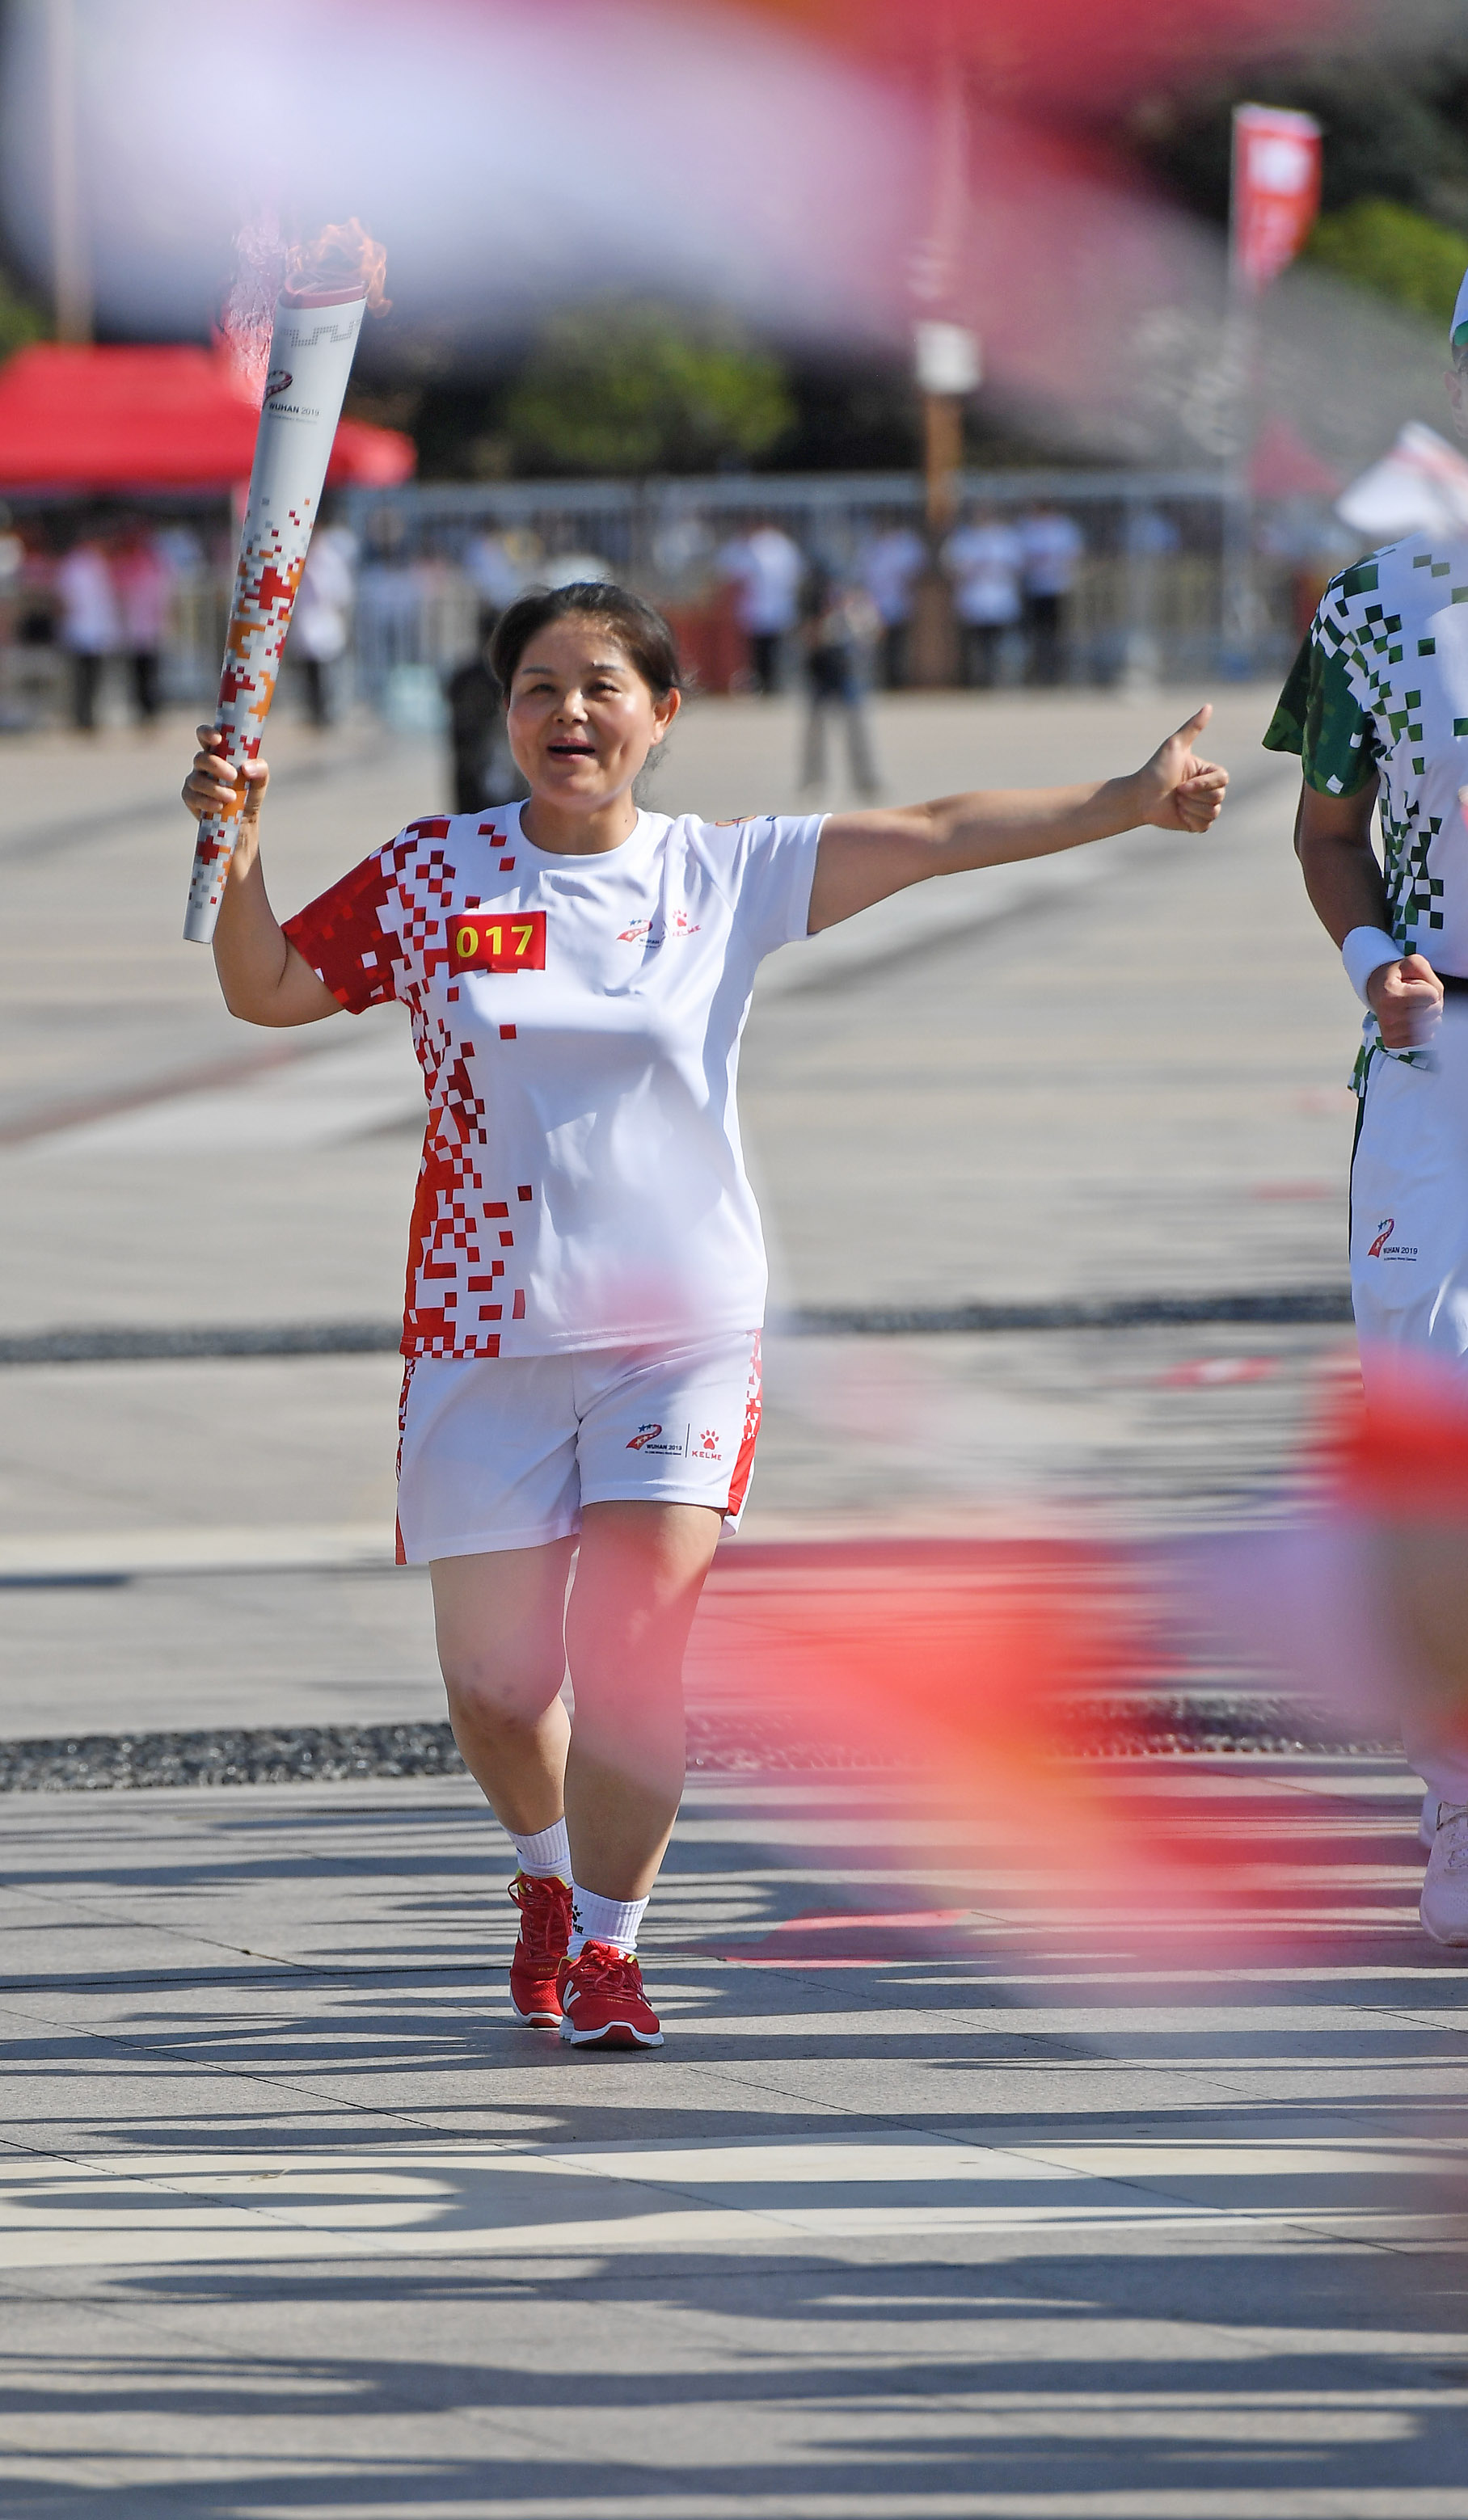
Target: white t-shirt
x,y
90,626
889,565
323,601
496,578
768,567
1052,545
578,1020
142,582
985,563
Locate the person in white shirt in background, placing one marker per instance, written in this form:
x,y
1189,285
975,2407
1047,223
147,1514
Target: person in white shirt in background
x,y
888,566
321,624
984,557
143,577
90,629
767,571
495,570
586,1276
1052,545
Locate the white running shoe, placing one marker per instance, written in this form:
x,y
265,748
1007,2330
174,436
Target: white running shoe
x,y
1427,1827
1444,1891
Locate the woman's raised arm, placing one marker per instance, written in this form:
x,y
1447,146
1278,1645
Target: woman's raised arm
x,y
864,856
264,980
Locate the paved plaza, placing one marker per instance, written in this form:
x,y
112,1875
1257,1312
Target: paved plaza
x,y
936,2203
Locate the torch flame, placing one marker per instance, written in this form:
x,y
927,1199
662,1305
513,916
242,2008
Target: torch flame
x,y
242,331
342,256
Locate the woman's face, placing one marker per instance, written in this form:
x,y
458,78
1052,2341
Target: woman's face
x,y
582,720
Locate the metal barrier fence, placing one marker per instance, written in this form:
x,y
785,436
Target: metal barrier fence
x,y
1145,602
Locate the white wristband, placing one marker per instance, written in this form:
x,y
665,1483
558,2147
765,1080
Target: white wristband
x,y
1364,951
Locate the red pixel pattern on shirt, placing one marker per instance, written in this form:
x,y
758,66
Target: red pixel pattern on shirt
x,y
382,933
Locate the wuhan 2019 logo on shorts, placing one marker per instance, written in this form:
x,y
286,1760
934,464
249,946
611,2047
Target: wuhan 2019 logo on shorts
x,y
1382,1247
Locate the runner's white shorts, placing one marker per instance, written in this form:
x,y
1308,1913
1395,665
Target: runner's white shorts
x,y
1409,1200
1409,1263
503,1452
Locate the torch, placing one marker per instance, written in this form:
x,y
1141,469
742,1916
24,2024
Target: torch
x,y
318,317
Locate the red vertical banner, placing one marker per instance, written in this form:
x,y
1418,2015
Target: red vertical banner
x,y
1276,191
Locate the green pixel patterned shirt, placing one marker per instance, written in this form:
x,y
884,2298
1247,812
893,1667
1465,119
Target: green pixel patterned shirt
x,y
1380,687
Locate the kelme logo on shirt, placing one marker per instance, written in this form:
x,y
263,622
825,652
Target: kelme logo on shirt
x,y
516,942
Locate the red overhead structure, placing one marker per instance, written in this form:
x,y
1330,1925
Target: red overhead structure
x,y
1065,54
74,418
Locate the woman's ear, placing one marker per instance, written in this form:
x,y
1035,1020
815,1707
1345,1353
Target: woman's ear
x,y
664,712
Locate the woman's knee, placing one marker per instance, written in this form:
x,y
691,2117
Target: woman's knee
x,y
499,1622
498,1690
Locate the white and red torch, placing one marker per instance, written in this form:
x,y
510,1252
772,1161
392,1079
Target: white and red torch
x,y
318,317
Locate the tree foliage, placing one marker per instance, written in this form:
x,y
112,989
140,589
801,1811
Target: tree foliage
x,y
19,322
1382,246
635,386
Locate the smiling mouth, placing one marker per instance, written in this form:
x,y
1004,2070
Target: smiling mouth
x,y
574,751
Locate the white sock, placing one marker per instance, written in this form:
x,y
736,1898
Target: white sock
x,y
546,1851
595,1919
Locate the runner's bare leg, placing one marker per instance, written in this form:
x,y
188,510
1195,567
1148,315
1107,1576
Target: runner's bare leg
x,y
505,1634
639,1579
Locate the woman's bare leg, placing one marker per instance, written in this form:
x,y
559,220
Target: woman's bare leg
x,y
637,1583
505,1634
500,1620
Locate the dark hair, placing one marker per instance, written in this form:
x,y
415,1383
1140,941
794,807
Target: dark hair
x,y
638,628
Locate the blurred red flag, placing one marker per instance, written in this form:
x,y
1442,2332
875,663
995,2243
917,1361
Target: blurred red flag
x,y
1276,191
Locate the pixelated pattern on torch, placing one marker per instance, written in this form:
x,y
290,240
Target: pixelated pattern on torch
x,y
311,349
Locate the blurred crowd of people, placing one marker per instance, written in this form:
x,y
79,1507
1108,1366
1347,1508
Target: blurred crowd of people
x,y
832,624
848,627
1008,582
106,594
1013,577
832,613
832,599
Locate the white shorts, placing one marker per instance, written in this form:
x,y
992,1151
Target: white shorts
x,y
1409,1200
503,1452
1410,1262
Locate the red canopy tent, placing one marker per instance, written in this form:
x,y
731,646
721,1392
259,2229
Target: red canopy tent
x,y
74,418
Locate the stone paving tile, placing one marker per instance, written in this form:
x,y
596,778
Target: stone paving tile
x,y
923,2235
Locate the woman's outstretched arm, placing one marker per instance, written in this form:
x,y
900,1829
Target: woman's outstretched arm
x,y
863,857
264,980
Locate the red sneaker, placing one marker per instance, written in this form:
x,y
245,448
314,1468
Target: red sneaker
x,y
602,2002
544,1905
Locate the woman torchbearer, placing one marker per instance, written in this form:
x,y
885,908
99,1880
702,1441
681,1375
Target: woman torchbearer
x,y
586,1276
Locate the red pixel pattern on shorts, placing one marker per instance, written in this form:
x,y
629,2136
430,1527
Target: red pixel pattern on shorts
x,y
380,933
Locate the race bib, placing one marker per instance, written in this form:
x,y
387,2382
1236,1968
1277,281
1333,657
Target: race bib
x,y
503,942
